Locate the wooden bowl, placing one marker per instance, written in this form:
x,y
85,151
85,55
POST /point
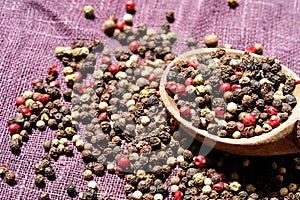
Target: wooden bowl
x,y
284,139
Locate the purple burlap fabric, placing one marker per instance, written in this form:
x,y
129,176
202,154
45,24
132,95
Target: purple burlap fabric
x,y
31,29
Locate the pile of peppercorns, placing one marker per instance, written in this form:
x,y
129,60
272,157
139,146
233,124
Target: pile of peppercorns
x,y
230,95
129,132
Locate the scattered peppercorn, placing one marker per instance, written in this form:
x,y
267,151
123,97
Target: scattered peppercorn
x,y
89,12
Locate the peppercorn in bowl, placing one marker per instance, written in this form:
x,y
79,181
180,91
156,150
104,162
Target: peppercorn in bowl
x,y
234,101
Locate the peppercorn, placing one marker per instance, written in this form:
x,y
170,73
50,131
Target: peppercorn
x,y
89,12
99,169
3,171
45,196
39,180
170,16
14,146
71,189
211,40
87,174
9,177
50,173
234,4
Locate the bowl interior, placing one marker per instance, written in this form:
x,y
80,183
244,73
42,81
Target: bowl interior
x,y
276,133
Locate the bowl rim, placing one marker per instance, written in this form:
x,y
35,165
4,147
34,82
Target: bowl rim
x,y
275,134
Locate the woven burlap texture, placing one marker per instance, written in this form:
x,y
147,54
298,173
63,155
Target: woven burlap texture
x,y
31,29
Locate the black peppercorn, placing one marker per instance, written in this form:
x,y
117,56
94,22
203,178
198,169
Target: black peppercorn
x,y
49,173
71,189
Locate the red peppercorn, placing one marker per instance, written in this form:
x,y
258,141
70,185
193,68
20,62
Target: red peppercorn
x,y
193,63
225,87
52,70
297,82
235,86
271,110
20,100
78,76
185,112
25,111
239,72
88,84
240,126
103,116
37,80
114,69
120,25
274,121
218,186
251,49
123,162
222,175
152,77
158,93
119,171
14,129
200,161
249,119
133,46
80,90
171,86
54,83
105,60
178,195
44,98
162,114
180,88
130,5
189,81
219,112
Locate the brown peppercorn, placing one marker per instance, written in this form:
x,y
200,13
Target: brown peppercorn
x,y
231,126
45,196
49,173
258,47
170,16
88,174
9,177
233,4
47,145
3,171
211,40
39,180
99,169
175,180
86,156
89,12
143,185
187,155
68,150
